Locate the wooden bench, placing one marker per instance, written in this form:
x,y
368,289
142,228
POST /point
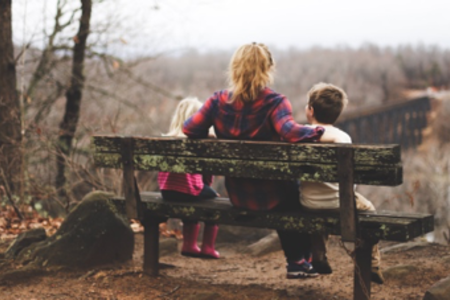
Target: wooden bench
x,y
345,164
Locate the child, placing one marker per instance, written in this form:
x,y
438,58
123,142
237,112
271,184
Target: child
x,y
325,104
189,187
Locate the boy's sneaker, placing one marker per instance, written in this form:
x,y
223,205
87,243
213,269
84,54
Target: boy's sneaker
x,y
300,269
322,266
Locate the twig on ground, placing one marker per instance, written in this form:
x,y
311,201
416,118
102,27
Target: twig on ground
x,y
127,273
88,274
171,292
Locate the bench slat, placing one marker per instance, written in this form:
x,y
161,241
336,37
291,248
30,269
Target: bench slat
x,y
389,175
250,150
426,220
393,227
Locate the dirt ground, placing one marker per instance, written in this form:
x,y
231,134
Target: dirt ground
x,y
234,276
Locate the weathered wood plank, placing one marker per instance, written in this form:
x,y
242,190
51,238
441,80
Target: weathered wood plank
x,y
130,188
426,220
221,211
349,217
362,272
250,150
151,246
390,175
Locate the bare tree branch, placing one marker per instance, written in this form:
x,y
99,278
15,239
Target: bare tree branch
x,y
45,64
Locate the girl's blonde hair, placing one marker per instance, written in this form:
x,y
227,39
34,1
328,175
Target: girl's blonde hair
x,y
250,70
185,109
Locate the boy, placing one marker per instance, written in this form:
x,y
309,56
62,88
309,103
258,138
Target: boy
x,y
325,104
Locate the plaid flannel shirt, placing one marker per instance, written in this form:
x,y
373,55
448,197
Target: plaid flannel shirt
x,y
268,118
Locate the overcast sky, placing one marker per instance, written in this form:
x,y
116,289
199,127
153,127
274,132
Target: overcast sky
x,y
226,24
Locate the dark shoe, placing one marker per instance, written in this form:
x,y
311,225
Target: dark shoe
x,y
300,269
322,267
191,254
376,275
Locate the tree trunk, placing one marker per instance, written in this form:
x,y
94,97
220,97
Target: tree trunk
x,y
69,123
10,136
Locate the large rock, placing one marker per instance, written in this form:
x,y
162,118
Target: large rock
x,y
24,240
439,291
92,234
400,272
234,234
167,246
266,245
405,246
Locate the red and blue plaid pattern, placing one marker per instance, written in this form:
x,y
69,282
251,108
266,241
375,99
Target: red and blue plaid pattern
x,y
268,118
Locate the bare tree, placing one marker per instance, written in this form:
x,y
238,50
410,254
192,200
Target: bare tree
x,y
10,130
69,123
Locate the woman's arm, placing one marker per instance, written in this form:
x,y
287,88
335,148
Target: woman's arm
x,y
198,125
291,131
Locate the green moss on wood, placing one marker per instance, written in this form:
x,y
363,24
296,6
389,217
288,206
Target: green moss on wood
x,y
269,151
373,175
389,226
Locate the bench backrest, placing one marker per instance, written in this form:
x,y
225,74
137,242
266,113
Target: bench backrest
x,y
346,164
372,164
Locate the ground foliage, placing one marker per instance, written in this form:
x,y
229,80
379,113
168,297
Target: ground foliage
x,y
11,225
236,276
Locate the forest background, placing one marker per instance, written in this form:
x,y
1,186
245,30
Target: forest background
x,y
129,92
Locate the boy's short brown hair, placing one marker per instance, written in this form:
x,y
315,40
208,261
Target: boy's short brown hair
x,y
328,101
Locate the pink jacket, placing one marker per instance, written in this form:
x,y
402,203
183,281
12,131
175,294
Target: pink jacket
x,y
191,184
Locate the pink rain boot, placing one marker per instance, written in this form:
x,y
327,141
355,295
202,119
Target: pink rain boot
x,y
209,239
190,234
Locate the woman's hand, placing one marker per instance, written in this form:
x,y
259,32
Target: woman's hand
x,y
327,137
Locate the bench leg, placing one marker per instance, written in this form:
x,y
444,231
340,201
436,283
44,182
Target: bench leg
x,y
363,266
151,247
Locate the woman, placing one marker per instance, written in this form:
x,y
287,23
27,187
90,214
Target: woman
x,y
250,110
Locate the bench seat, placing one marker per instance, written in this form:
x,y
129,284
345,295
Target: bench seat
x,y
391,226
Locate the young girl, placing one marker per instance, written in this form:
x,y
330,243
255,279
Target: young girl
x,y
190,187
